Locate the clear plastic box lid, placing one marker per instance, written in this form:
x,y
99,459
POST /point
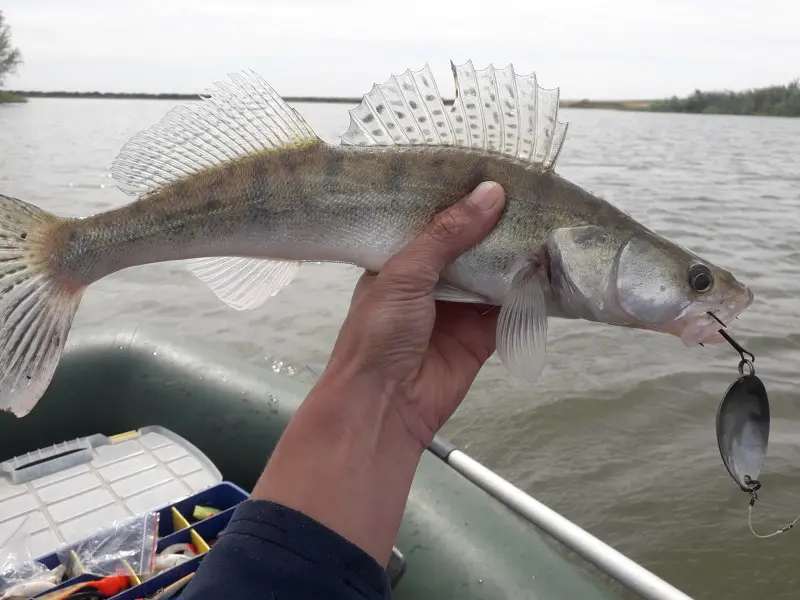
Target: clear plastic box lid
x,y
65,492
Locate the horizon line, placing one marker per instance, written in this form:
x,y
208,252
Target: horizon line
x,y
304,99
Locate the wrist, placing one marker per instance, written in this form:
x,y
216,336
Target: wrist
x,y
360,398
346,460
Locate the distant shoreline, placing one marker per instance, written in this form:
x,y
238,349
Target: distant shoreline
x,y
164,96
775,101
608,104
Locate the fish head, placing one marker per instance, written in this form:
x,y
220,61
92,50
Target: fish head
x,y
665,287
636,278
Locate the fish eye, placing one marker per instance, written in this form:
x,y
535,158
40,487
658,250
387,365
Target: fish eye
x,y
700,278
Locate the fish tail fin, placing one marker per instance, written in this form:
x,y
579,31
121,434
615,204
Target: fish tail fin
x,y
36,310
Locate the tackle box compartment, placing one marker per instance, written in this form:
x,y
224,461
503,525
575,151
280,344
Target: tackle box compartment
x,y
202,534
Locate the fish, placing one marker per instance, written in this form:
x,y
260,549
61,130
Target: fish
x,y
239,186
27,589
38,584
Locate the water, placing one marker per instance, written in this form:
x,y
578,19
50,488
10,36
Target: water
x,y
619,433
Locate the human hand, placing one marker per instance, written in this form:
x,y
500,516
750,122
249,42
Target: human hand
x,y
401,365
420,354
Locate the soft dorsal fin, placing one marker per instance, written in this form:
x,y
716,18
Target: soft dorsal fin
x,y
495,110
233,120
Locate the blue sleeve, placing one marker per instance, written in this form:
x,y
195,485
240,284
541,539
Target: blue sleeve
x,y
271,551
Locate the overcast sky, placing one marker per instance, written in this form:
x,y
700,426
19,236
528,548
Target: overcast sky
x,y
589,48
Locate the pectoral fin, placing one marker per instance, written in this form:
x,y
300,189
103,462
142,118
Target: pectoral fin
x,y
522,325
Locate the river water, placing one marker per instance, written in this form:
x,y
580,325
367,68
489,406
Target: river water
x,y
618,434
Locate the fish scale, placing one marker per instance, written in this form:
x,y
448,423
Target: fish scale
x,y
241,188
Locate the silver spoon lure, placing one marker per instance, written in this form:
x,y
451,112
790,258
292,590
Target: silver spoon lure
x,y
743,420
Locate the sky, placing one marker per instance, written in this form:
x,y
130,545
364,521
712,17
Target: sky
x,y
600,49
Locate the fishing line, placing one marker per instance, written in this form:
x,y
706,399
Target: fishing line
x,y
743,420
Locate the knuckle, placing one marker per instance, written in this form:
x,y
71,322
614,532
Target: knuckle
x,y
448,224
406,277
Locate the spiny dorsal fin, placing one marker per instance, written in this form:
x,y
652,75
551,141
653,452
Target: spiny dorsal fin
x,y
234,120
495,110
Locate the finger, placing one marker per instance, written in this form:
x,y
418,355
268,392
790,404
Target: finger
x,y
451,233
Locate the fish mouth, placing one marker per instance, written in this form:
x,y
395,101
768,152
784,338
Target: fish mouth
x,y
699,327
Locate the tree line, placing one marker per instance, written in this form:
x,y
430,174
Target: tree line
x,y
775,101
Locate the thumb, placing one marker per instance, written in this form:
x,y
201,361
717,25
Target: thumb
x,y
451,233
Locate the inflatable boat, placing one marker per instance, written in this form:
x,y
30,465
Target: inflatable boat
x,y
466,534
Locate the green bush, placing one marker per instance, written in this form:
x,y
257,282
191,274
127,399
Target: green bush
x,y
776,101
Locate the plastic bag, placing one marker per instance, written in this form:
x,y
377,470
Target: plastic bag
x,y
16,563
124,546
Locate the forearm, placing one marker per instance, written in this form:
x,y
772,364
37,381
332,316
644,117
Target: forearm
x,y
346,460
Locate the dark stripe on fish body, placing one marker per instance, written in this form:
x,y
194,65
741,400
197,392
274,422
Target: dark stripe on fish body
x,y
478,174
215,192
290,162
334,163
260,184
396,172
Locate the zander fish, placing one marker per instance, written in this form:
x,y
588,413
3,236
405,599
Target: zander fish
x,y
241,186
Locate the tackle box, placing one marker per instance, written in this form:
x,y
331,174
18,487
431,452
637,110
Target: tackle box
x,y
74,491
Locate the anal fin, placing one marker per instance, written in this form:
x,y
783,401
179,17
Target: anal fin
x,y
244,283
522,326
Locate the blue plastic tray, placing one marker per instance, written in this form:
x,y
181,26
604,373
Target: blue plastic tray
x,y
224,497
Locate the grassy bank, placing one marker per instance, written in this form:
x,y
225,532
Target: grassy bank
x,y
608,104
7,97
